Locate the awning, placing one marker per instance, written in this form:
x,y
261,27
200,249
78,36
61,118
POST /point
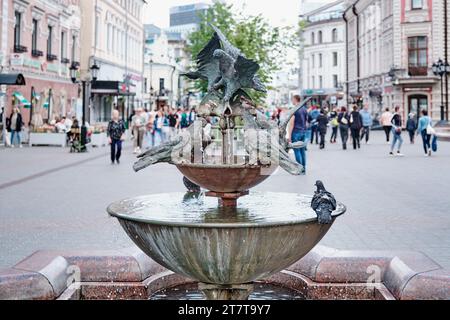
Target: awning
x,y
15,79
22,99
117,88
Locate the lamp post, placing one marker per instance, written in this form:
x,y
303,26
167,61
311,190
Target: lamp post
x,y
441,69
94,69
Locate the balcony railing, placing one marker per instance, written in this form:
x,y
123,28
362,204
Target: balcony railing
x,y
51,57
37,53
65,61
20,49
417,71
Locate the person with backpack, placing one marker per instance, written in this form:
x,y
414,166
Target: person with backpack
x,y
355,127
411,127
334,125
344,120
396,123
425,129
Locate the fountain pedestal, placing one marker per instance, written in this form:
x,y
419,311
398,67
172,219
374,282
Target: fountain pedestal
x,y
224,292
227,199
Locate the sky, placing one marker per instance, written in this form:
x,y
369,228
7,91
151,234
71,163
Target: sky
x,y
285,12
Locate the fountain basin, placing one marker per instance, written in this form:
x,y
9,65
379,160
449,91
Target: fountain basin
x,y
193,237
226,178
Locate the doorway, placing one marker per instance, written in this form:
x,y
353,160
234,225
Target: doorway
x,y
416,104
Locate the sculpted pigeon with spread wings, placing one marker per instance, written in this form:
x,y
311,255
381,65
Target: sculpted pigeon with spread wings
x,y
225,67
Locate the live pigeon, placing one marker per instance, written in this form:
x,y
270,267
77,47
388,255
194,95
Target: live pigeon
x,y
323,203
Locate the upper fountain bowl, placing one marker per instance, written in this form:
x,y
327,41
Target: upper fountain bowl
x,y
226,178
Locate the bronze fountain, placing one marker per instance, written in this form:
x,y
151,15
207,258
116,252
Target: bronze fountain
x,y
226,248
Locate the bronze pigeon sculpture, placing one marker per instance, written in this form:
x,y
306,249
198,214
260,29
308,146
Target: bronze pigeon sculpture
x,y
225,67
323,203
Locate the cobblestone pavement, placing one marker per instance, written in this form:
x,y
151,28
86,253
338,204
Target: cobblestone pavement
x,y
50,199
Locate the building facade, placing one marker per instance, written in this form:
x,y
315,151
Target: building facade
x,y
186,18
164,57
40,39
113,37
324,55
392,45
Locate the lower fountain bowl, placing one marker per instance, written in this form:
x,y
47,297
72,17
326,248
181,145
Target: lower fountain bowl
x,y
223,247
226,178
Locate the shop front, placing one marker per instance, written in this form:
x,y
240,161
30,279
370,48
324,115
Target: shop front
x,y
109,95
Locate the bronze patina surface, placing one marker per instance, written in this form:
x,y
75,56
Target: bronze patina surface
x,y
225,246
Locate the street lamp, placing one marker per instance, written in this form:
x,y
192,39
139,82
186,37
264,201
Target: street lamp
x,y
94,69
441,69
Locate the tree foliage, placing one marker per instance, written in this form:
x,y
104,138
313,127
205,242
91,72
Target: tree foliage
x,y
253,35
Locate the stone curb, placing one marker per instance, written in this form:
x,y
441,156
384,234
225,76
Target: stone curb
x,y
48,274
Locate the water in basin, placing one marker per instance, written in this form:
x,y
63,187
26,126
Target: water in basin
x,y
259,208
262,292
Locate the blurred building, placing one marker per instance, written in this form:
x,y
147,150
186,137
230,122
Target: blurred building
x,y
284,85
323,55
113,37
164,56
391,48
40,39
186,18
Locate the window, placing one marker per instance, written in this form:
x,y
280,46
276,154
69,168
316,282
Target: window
x,y
320,82
313,61
320,37
335,59
335,81
313,82
63,45
34,36
416,4
313,38
49,40
334,35
74,43
418,56
97,26
17,27
320,60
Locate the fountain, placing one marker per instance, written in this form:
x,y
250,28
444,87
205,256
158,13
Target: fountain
x,y
247,236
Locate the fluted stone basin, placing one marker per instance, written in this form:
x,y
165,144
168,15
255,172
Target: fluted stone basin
x,y
226,178
191,236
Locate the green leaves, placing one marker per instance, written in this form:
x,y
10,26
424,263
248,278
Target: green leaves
x,y
253,35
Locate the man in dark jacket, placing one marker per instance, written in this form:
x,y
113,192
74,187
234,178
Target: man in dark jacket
x,y
355,127
322,123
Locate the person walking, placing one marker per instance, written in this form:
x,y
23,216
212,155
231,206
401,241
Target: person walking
x,y
138,128
411,127
116,135
367,122
344,121
322,123
334,125
313,115
355,127
397,140
14,125
385,121
298,130
425,129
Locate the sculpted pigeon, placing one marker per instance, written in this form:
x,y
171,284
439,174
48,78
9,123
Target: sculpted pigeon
x,y
191,186
323,203
208,67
